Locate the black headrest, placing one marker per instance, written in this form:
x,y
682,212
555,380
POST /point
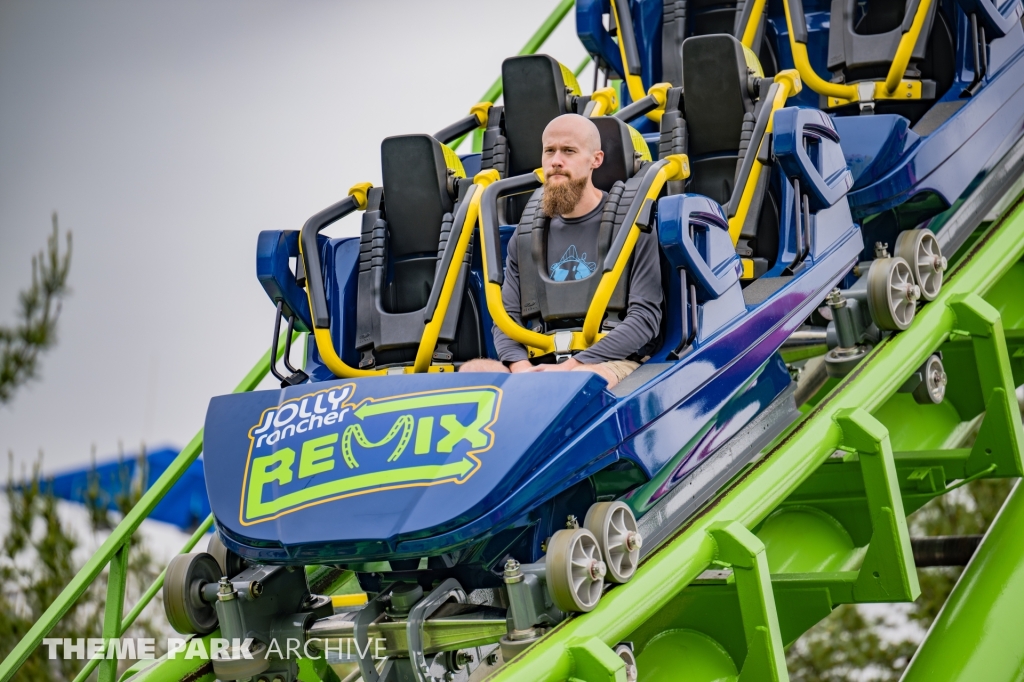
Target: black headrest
x,y
415,192
534,93
617,146
715,93
709,17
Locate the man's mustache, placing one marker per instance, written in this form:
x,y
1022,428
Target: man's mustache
x,y
564,173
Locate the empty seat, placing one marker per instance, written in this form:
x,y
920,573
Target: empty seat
x,y
406,228
864,36
536,89
722,85
862,45
684,19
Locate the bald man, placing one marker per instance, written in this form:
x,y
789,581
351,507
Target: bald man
x,y
572,150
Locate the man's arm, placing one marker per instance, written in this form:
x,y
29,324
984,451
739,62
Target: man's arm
x,y
508,350
643,314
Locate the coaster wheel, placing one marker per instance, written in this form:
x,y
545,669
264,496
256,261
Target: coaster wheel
x,y
185,577
574,569
932,388
230,563
921,250
892,294
625,652
614,526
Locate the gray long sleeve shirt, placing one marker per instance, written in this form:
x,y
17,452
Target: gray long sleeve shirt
x,y
571,241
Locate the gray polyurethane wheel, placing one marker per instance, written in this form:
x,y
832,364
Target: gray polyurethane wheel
x,y
932,388
186,611
921,250
892,294
614,526
574,570
230,563
625,652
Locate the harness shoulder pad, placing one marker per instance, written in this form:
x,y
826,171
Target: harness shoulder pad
x,y
529,283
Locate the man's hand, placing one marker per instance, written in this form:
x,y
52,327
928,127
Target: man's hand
x,y
568,365
520,366
574,364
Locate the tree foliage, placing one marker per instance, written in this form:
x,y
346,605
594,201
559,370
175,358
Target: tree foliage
x,y
39,306
37,562
37,556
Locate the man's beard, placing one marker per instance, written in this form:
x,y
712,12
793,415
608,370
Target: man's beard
x,y
562,197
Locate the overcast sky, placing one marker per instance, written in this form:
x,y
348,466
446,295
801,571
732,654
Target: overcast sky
x,y
167,135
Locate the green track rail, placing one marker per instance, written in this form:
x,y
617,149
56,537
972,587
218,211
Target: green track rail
x,y
818,521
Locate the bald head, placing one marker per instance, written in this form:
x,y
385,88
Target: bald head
x,y
575,127
572,150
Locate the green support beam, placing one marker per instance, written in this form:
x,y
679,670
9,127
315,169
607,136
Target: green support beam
x,y
739,548
725,626
977,635
594,661
113,610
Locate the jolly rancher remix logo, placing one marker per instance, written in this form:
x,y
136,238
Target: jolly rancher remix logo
x,y
323,446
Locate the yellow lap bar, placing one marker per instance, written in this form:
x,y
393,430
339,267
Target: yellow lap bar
x,y
606,102
324,342
894,86
634,84
425,352
906,48
789,84
481,110
606,287
807,73
659,91
359,191
905,90
492,291
750,30
676,168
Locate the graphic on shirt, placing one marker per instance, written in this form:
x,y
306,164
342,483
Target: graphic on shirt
x,y
572,266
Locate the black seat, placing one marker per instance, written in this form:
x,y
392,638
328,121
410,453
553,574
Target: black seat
x,y
721,103
717,104
402,259
863,41
684,19
536,89
864,36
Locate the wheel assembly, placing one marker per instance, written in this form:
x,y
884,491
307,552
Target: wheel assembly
x,y
892,294
932,388
614,526
230,563
625,652
186,611
574,569
921,250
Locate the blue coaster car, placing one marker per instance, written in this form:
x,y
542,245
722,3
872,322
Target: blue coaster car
x,y
927,95
437,487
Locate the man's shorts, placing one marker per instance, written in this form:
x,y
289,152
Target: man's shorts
x,y
621,368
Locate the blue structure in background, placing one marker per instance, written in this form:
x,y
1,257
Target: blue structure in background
x,y
185,505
